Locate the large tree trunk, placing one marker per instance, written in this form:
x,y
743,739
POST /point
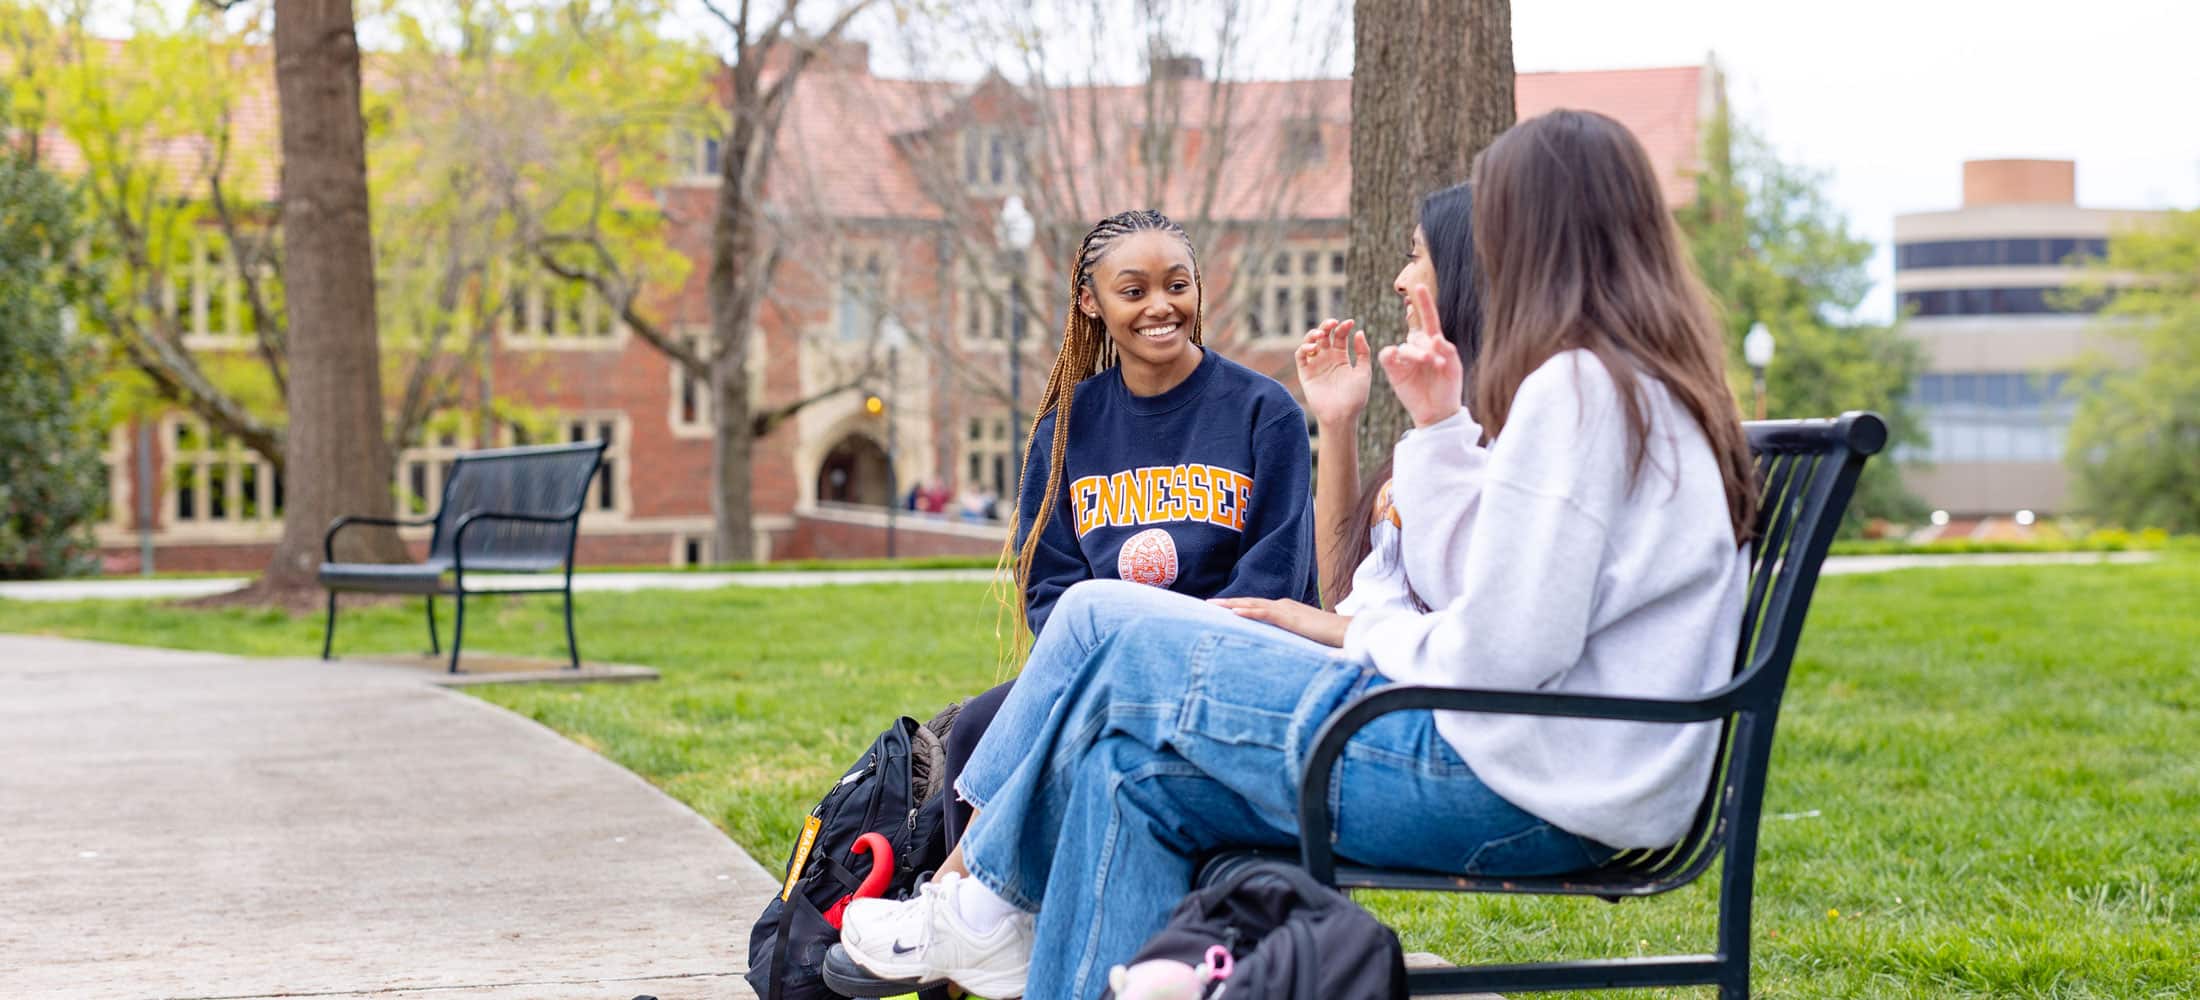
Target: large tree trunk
x,y
1432,85
734,276
336,460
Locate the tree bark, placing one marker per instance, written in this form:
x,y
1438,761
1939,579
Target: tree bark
x,y
1432,85
733,299
336,460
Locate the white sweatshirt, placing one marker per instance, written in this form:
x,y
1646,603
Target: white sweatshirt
x,y
1551,570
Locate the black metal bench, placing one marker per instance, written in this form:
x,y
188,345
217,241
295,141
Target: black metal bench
x,y
1808,469
510,510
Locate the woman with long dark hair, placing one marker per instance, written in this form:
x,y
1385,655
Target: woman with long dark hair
x,y
1353,516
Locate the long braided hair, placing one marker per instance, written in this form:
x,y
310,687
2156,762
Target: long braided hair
x,y
1086,351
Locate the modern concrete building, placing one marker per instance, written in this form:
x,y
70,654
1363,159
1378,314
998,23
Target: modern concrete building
x,y
1983,288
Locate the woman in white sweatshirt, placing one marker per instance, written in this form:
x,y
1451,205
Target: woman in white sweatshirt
x,y
1595,544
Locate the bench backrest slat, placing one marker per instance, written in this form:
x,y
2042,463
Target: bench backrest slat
x,y
1807,470
545,481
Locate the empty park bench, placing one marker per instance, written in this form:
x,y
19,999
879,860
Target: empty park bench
x,y
1808,470
509,510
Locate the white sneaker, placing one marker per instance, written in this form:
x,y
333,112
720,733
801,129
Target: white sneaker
x,y
924,940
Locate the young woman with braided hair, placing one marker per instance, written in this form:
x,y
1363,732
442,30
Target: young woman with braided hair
x,y
1151,459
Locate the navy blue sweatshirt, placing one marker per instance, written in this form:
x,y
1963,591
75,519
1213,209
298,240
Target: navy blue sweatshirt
x,y
1205,489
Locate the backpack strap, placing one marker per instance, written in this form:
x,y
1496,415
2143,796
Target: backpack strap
x,y
779,956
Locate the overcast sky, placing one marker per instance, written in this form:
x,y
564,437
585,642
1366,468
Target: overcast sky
x,y
1890,96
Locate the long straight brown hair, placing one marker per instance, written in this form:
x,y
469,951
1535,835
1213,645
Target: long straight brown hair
x,y
1579,252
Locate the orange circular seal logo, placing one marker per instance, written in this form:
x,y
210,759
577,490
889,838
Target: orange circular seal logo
x,y
1149,557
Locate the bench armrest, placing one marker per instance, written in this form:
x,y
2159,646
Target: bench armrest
x,y
328,541
473,517
1316,825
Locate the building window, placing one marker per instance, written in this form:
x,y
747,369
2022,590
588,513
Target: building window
x,y
692,411
693,549
862,297
1300,287
608,492
543,310
695,155
422,470
2027,301
984,314
114,462
691,404
2028,251
215,480
988,454
1993,416
209,306
993,160
1302,143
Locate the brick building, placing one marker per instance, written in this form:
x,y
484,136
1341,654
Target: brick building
x,y
883,193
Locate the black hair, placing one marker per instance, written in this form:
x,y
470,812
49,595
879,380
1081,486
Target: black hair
x,y
1447,226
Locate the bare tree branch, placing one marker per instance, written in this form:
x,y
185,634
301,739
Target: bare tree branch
x,y
620,292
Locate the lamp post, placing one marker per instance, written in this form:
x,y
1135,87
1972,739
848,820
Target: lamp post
x,y
1757,350
1014,231
893,334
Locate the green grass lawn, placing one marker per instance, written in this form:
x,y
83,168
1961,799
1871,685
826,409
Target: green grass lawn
x,y
1987,781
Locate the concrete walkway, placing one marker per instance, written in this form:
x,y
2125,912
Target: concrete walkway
x,y
179,589
193,825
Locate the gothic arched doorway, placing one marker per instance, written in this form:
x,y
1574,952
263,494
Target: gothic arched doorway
x,y
855,471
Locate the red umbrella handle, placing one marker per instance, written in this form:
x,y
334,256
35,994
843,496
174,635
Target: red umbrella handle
x,y
881,851
874,884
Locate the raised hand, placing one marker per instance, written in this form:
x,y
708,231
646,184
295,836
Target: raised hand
x,y
1334,372
1425,370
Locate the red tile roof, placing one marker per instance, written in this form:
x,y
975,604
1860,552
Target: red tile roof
x,y
852,146
838,155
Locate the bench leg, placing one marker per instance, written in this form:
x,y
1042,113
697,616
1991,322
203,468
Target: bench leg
x,y
328,632
435,645
572,645
458,628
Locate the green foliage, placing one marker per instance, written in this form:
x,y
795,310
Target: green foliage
x,y
1772,249
495,131
499,129
52,484
2135,444
2102,540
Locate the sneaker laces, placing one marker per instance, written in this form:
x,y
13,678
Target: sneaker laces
x,y
930,897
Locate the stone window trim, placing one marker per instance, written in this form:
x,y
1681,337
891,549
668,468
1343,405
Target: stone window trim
x,y
215,486
538,298
1298,285
610,494
688,409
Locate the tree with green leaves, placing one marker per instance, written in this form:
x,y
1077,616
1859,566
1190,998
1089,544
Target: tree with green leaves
x,y
2134,446
1773,249
51,487
764,51
500,139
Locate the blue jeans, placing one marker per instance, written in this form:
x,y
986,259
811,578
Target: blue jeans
x,y
1148,728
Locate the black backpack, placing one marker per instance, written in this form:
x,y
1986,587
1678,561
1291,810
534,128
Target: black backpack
x,y
891,791
1289,938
